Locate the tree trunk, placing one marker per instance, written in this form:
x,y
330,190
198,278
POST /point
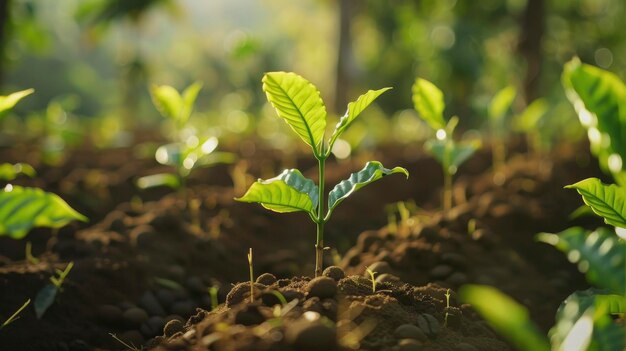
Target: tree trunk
x,y
344,55
533,26
4,27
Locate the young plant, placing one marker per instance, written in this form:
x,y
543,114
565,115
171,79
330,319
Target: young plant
x,y
372,275
187,151
251,276
599,98
298,102
497,112
428,101
46,296
531,123
586,319
25,208
14,316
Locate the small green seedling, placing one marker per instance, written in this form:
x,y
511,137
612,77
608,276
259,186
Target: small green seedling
x,y
497,112
213,294
586,319
531,123
25,208
7,102
187,151
28,254
445,318
251,276
46,296
15,315
372,278
429,103
298,102
9,172
599,98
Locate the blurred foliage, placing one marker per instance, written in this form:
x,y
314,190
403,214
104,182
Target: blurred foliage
x,y
108,52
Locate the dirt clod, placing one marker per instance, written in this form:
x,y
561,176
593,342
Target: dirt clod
x,y
172,327
409,331
134,316
306,336
428,324
322,287
334,272
266,279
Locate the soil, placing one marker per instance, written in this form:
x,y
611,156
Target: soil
x,y
155,260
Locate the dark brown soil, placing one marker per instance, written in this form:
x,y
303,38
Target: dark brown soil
x,y
150,257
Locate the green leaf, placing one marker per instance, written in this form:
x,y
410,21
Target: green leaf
x,y
583,322
506,316
372,172
354,109
599,98
450,154
428,101
607,201
600,255
9,101
44,299
189,98
288,192
161,179
298,102
530,117
501,103
168,101
9,171
21,209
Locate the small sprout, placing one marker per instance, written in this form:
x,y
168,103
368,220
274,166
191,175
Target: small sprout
x,y
251,276
471,226
500,105
298,102
429,103
168,283
280,297
46,296
14,316
445,319
213,294
30,259
130,346
372,277
187,151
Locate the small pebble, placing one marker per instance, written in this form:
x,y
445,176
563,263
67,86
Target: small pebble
x,y
464,347
166,297
172,327
387,278
428,324
151,305
249,315
133,317
409,345
334,272
266,279
409,331
441,271
195,285
311,336
322,287
183,308
109,314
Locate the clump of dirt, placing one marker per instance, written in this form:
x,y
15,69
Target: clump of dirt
x,y
325,314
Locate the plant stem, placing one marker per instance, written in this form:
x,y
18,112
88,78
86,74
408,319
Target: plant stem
x,y
447,190
251,276
319,244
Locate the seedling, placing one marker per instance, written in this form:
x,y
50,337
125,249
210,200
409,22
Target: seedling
x,y
187,151
298,102
599,96
497,112
445,318
15,315
372,278
531,123
428,101
251,276
30,259
46,296
213,294
585,320
25,208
